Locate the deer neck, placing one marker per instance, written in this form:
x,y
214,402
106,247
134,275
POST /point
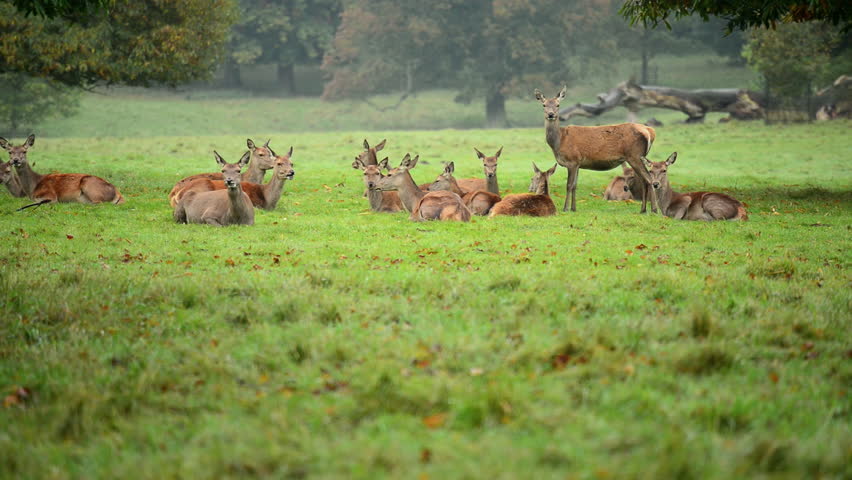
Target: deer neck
x,y
375,197
491,185
237,209
454,186
553,133
543,189
664,196
14,186
29,178
254,174
409,193
272,191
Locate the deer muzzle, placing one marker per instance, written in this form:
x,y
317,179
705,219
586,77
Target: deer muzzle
x,y
656,185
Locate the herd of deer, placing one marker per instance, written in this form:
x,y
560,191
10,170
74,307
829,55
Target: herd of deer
x,y
230,196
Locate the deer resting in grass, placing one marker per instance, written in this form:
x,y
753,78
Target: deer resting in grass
x,y
10,179
386,202
623,187
694,205
594,148
265,196
219,208
479,202
262,160
423,206
58,187
536,204
489,183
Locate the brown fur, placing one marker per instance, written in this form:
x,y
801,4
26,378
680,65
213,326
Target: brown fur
x,y
219,207
423,206
10,179
594,148
386,202
624,187
538,204
479,202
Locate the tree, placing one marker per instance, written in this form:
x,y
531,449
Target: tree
x,y
741,14
489,49
27,101
135,43
283,33
68,9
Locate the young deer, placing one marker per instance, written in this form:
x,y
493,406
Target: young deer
x,y
369,156
479,202
594,148
624,186
489,184
262,160
423,206
219,207
387,202
263,196
58,187
694,205
537,204
10,179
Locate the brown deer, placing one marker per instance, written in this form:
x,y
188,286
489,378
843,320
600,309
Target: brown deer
x,y
10,179
442,205
219,208
479,202
370,154
594,148
58,187
262,160
694,205
263,196
489,183
624,186
536,204
386,202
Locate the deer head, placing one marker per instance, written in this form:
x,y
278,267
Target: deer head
x,y
369,155
445,180
5,172
231,171
372,173
538,185
658,171
262,155
17,155
283,165
396,177
489,164
551,106
629,177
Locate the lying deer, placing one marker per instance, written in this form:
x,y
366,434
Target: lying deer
x,y
536,204
489,183
58,187
387,202
594,148
623,187
694,205
370,154
442,205
10,179
219,208
263,196
479,202
262,160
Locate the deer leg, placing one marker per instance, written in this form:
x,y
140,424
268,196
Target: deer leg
x,y
639,167
571,188
567,190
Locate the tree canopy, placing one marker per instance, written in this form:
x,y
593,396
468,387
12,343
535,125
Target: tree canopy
x,y
741,14
69,9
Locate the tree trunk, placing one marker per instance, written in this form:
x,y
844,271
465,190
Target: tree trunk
x,y
644,65
231,72
287,78
495,110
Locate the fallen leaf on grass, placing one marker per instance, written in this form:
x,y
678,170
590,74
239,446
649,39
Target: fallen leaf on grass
x,y
425,455
435,421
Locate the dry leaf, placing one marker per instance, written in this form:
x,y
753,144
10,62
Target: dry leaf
x,y
435,421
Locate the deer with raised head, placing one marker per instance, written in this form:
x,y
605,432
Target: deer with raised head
x,y
535,204
262,160
58,187
10,179
479,202
219,208
594,148
370,154
489,183
624,186
263,196
386,202
443,205
693,205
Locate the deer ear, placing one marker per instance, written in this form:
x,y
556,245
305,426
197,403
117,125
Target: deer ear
x,y
450,168
383,164
499,152
535,168
4,144
381,145
30,141
266,145
646,161
358,164
219,159
413,162
561,93
479,154
552,170
671,158
245,159
290,152
271,152
539,96
250,144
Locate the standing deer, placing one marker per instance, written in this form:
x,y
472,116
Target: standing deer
x,y
442,205
594,148
489,184
263,196
536,204
262,160
387,202
479,202
219,208
10,179
624,186
58,187
694,205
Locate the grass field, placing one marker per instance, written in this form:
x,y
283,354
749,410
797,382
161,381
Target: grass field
x,y
330,342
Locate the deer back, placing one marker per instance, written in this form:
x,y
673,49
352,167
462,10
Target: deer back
x,y
441,205
711,206
480,202
605,147
76,188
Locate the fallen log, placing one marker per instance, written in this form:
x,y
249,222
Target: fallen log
x,y
740,104
835,100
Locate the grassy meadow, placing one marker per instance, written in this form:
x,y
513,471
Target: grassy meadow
x,y
328,341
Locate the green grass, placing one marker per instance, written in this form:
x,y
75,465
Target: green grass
x,y
330,342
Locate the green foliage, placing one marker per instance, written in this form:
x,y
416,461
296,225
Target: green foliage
x,y
135,43
792,57
67,9
28,101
